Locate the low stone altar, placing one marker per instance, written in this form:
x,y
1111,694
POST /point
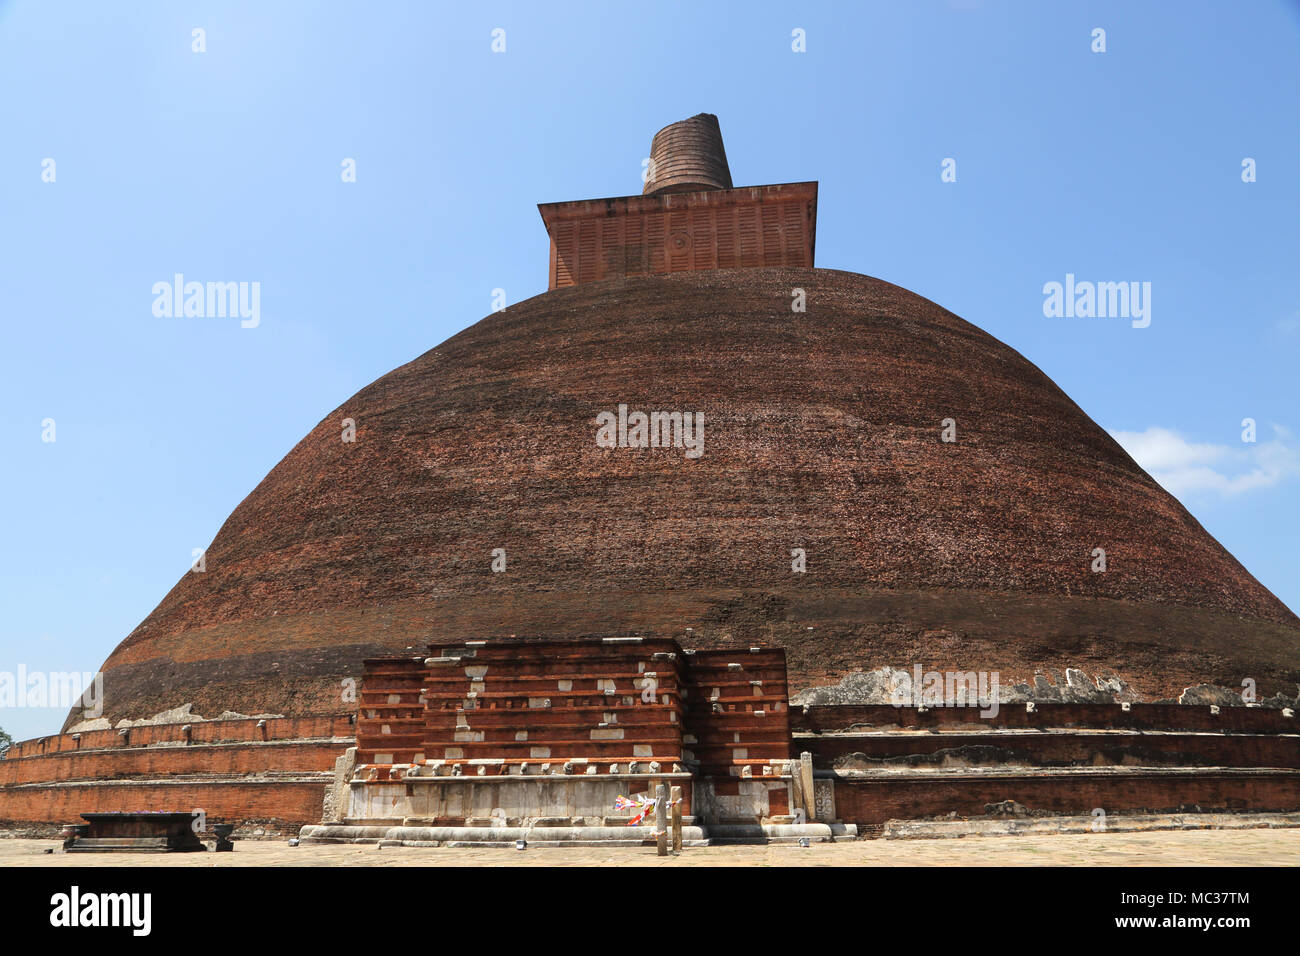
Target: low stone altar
x,y
134,833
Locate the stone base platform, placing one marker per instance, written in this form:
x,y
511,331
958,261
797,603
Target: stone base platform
x,y
1128,823
697,835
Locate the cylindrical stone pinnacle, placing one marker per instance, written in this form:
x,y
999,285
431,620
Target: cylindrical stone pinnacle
x,y
688,156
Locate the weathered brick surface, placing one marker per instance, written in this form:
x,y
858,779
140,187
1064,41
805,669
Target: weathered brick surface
x,y
1063,748
689,155
201,732
822,432
234,769
1251,720
552,701
738,710
283,804
232,759
874,800
609,701
595,239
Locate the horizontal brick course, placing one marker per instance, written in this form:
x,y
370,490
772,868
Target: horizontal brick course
x,y
219,759
235,770
1065,748
206,731
280,804
821,718
873,800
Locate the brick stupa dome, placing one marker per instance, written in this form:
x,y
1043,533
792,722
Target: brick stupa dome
x,y
821,432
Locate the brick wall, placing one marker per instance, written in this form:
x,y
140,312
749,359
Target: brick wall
x,y
868,801
1065,748
1140,717
220,759
277,805
208,731
273,775
653,235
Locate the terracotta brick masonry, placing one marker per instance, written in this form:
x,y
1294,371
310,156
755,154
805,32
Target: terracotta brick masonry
x,y
268,774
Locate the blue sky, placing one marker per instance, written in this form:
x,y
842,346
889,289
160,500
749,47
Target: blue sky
x,y
225,165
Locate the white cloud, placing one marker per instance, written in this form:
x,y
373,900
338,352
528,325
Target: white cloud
x,y
1186,467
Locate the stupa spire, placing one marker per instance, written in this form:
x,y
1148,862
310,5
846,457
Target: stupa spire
x,y
688,156
688,218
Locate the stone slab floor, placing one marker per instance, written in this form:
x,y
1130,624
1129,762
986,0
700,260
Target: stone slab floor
x,y
1261,847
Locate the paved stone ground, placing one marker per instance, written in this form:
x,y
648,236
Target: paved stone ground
x,y
1175,848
